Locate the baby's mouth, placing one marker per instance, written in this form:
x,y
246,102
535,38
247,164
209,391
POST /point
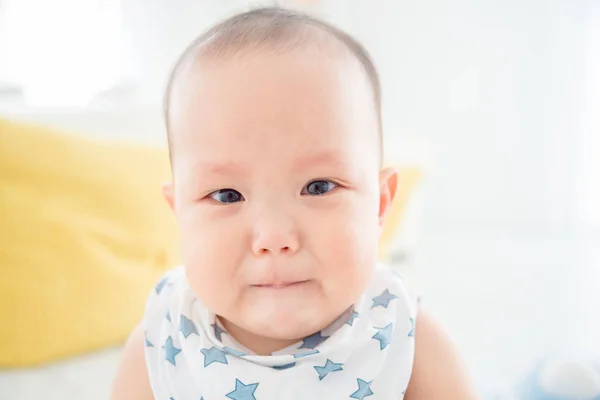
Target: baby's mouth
x,y
280,285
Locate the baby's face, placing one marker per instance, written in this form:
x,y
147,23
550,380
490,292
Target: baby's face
x,y
277,189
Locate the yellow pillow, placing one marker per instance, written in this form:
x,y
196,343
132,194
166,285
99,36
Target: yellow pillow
x,y
84,234
408,178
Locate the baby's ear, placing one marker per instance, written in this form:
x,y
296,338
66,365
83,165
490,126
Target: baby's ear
x,y
167,191
388,182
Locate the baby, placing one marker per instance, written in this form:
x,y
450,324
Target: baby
x,y
275,139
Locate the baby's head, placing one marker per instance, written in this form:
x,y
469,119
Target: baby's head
x,y
274,132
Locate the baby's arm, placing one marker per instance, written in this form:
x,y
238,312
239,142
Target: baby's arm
x,y
438,371
131,381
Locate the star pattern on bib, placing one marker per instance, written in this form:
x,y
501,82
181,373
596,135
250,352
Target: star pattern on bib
x,y
160,285
243,391
171,351
213,355
218,331
306,353
146,341
352,317
329,367
312,341
187,327
384,335
364,390
383,300
285,366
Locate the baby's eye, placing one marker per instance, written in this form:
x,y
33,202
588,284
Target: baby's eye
x,y
317,188
226,196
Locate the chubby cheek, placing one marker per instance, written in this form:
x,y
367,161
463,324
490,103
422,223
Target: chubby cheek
x,y
210,262
348,249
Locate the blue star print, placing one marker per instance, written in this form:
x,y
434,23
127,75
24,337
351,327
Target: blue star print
x,y
306,353
384,336
168,316
285,366
148,344
313,341
160,285
242,391
364,390
327,368
412,328
187,327
352,317
383,299
213,355
234,352
218,331
170,351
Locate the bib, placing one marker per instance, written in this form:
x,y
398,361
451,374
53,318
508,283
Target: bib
x,y
366,353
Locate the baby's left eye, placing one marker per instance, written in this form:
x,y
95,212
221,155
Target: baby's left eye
x,y
318,188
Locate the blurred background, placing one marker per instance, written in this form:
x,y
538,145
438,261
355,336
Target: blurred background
x,y
491,111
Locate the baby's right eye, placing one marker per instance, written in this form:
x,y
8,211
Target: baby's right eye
x,y
226,196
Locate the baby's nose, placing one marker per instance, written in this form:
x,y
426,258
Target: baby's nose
x,y
275,238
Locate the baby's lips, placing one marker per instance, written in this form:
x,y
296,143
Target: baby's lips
x,y
281,284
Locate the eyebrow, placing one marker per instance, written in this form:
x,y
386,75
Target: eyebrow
x,y
217,167
328,156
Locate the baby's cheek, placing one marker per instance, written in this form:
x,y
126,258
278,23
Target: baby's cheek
x,y
351,250
210,278
210,261
351,231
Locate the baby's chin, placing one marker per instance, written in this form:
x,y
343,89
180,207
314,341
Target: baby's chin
x,y
284,322
287,328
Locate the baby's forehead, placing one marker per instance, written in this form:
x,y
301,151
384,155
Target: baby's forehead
x,y
266,33
259,102
254,44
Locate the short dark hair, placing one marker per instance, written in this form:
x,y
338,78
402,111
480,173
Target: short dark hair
x,y
272,28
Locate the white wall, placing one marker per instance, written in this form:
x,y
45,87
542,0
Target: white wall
x,y
496,87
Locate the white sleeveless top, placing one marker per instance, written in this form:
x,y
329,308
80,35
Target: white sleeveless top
x,y
366,353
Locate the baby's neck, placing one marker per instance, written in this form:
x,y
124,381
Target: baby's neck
x,y
260,345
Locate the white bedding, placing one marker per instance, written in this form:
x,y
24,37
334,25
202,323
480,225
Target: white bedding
x,y
88,377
